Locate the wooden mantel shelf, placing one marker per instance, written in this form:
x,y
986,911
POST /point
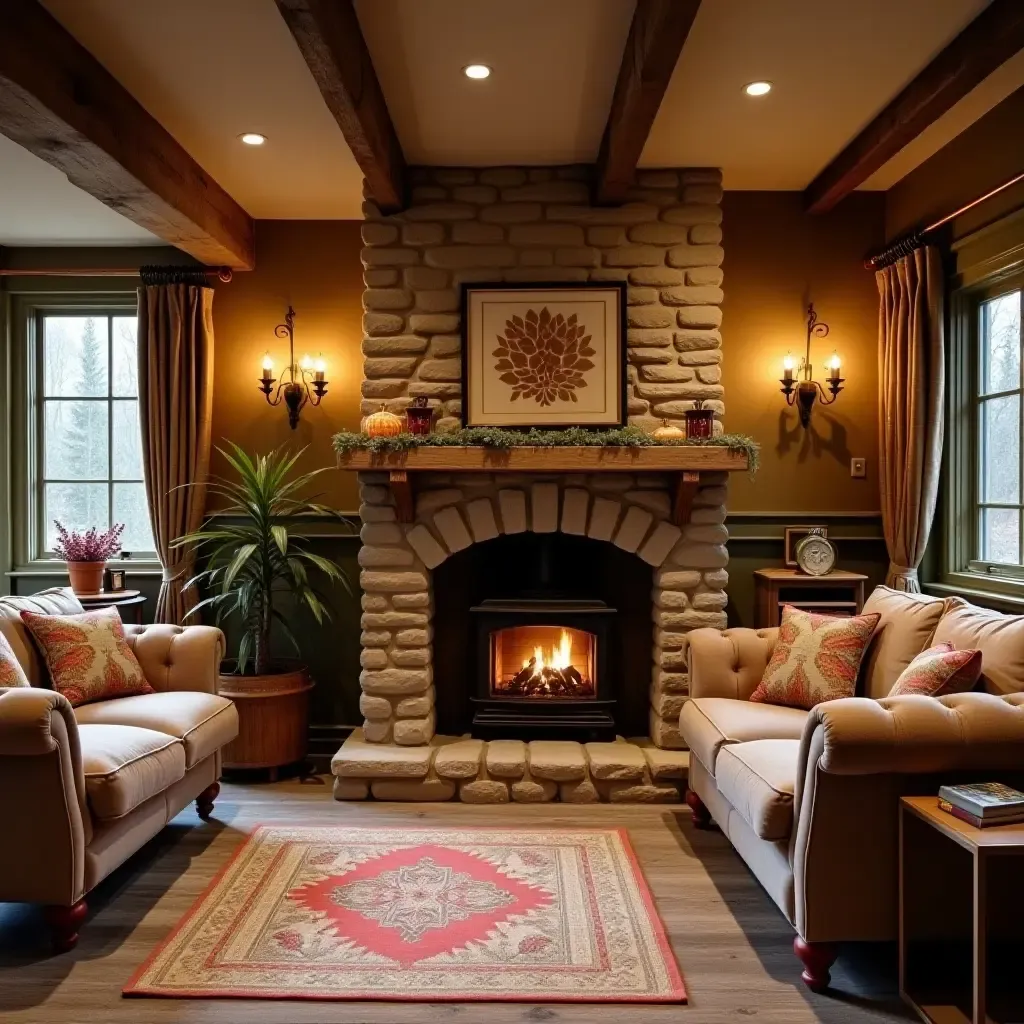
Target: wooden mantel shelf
x,y
688,461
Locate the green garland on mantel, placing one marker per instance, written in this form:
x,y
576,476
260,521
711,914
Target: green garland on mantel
x,y
573,437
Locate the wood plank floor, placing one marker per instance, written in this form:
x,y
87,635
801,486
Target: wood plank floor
x,y
731,942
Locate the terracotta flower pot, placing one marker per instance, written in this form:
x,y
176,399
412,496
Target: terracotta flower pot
x,y
86,577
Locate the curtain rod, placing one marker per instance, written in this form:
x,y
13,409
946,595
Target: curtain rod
x,y
915,239
224,274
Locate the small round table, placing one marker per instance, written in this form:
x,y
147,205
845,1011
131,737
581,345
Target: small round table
x,y
120,599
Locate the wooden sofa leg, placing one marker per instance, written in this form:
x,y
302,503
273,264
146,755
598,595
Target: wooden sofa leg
x,y
817,958
204,802
64,923
701,815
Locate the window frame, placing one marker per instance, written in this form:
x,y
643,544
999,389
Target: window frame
x,y
963,570
27,413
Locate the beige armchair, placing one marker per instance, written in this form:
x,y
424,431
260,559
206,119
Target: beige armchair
x,y
810,799
81,789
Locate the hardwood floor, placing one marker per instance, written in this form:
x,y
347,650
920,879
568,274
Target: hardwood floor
x,y
732,944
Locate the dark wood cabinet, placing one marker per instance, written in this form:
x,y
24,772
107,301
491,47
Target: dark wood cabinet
x,y
838,593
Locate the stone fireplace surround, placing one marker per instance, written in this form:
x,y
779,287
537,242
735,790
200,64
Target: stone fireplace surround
x,y
515,224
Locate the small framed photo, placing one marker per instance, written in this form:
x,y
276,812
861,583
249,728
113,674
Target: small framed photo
x,y
117,583
795,534
544,355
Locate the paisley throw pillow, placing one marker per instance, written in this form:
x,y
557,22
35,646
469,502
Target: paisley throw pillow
x,y
939,670
816,658
87,655
11,672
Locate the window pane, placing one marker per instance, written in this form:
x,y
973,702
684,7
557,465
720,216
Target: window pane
x,y
130,508
75,440
1000,535
1000,348
999,463
127,441
126,380
77,506
75,355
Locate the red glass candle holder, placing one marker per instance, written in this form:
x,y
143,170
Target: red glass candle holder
x,y
700,422
418,416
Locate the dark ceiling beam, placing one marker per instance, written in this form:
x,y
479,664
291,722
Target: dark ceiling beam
x,y
60,103
985,44
656,39
332,44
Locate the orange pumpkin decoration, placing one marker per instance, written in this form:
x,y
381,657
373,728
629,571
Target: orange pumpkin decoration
x,y
668,432
383,424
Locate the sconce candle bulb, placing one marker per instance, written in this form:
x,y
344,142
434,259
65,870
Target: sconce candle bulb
x,y
299,383
319,368
808,391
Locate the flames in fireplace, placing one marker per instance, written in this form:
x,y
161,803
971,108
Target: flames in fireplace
x,y
543,662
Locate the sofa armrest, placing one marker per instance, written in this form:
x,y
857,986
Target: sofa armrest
x,y
728,662
178,657
42,798
913,734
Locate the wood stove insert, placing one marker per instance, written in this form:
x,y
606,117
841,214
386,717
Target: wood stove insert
x,y
543,669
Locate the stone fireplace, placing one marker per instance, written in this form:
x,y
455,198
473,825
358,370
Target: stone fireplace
x,y
511,612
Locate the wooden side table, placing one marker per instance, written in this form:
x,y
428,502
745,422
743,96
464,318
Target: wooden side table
x,y
128,603
958,878
838,593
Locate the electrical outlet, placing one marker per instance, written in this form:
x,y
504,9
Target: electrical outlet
x,y
858,468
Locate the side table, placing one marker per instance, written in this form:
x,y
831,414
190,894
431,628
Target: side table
x,y
128,603
959,889
838,593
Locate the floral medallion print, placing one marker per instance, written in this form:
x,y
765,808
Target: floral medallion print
x,y
432,914
87,655
543,357
816,658
938,671
11,672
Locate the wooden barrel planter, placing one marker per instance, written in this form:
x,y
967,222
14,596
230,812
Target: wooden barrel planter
x,y
273,715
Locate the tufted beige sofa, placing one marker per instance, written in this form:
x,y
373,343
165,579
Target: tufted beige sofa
x,y
810,799
81,789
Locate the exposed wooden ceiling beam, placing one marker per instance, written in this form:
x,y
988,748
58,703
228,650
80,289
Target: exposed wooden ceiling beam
x,y
655,41
985,44
332,44
61,104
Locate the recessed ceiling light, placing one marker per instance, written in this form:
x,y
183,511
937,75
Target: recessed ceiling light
x,y
253,138
476,71
758,88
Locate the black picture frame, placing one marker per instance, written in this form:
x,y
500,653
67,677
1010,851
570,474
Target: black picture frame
x,y
117,581
555,286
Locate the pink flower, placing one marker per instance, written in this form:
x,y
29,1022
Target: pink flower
x,y
90,546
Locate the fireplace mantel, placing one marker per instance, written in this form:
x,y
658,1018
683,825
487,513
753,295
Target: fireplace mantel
x,y
685,461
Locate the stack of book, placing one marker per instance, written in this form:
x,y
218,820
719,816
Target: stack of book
x,y
983,804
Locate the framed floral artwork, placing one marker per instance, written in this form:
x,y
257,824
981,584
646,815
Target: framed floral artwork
x,y
544,355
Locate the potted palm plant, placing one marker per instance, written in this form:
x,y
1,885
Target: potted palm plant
x,y
255,556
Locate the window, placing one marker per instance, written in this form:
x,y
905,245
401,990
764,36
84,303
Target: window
x,y
88,451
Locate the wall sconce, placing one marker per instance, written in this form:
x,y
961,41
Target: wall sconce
x,y
806,391
296,378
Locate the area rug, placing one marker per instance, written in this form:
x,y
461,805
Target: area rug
x,y
424,914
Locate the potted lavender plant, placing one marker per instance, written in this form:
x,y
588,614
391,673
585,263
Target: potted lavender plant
x,y
86,554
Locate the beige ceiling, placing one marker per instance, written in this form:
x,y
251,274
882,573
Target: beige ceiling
x,y
555,63
209,70
39,206
833,65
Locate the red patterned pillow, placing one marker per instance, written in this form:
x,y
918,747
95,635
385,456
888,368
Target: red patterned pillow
x,y
11,672
816,658
939,670
87,655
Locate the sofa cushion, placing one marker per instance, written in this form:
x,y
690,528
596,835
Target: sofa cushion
x,y
816,658
125,766
905,627
11,672
57,601
939,670
758,778
204,722
707,723
1000,638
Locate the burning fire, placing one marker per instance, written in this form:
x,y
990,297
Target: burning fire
x,y
559,657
